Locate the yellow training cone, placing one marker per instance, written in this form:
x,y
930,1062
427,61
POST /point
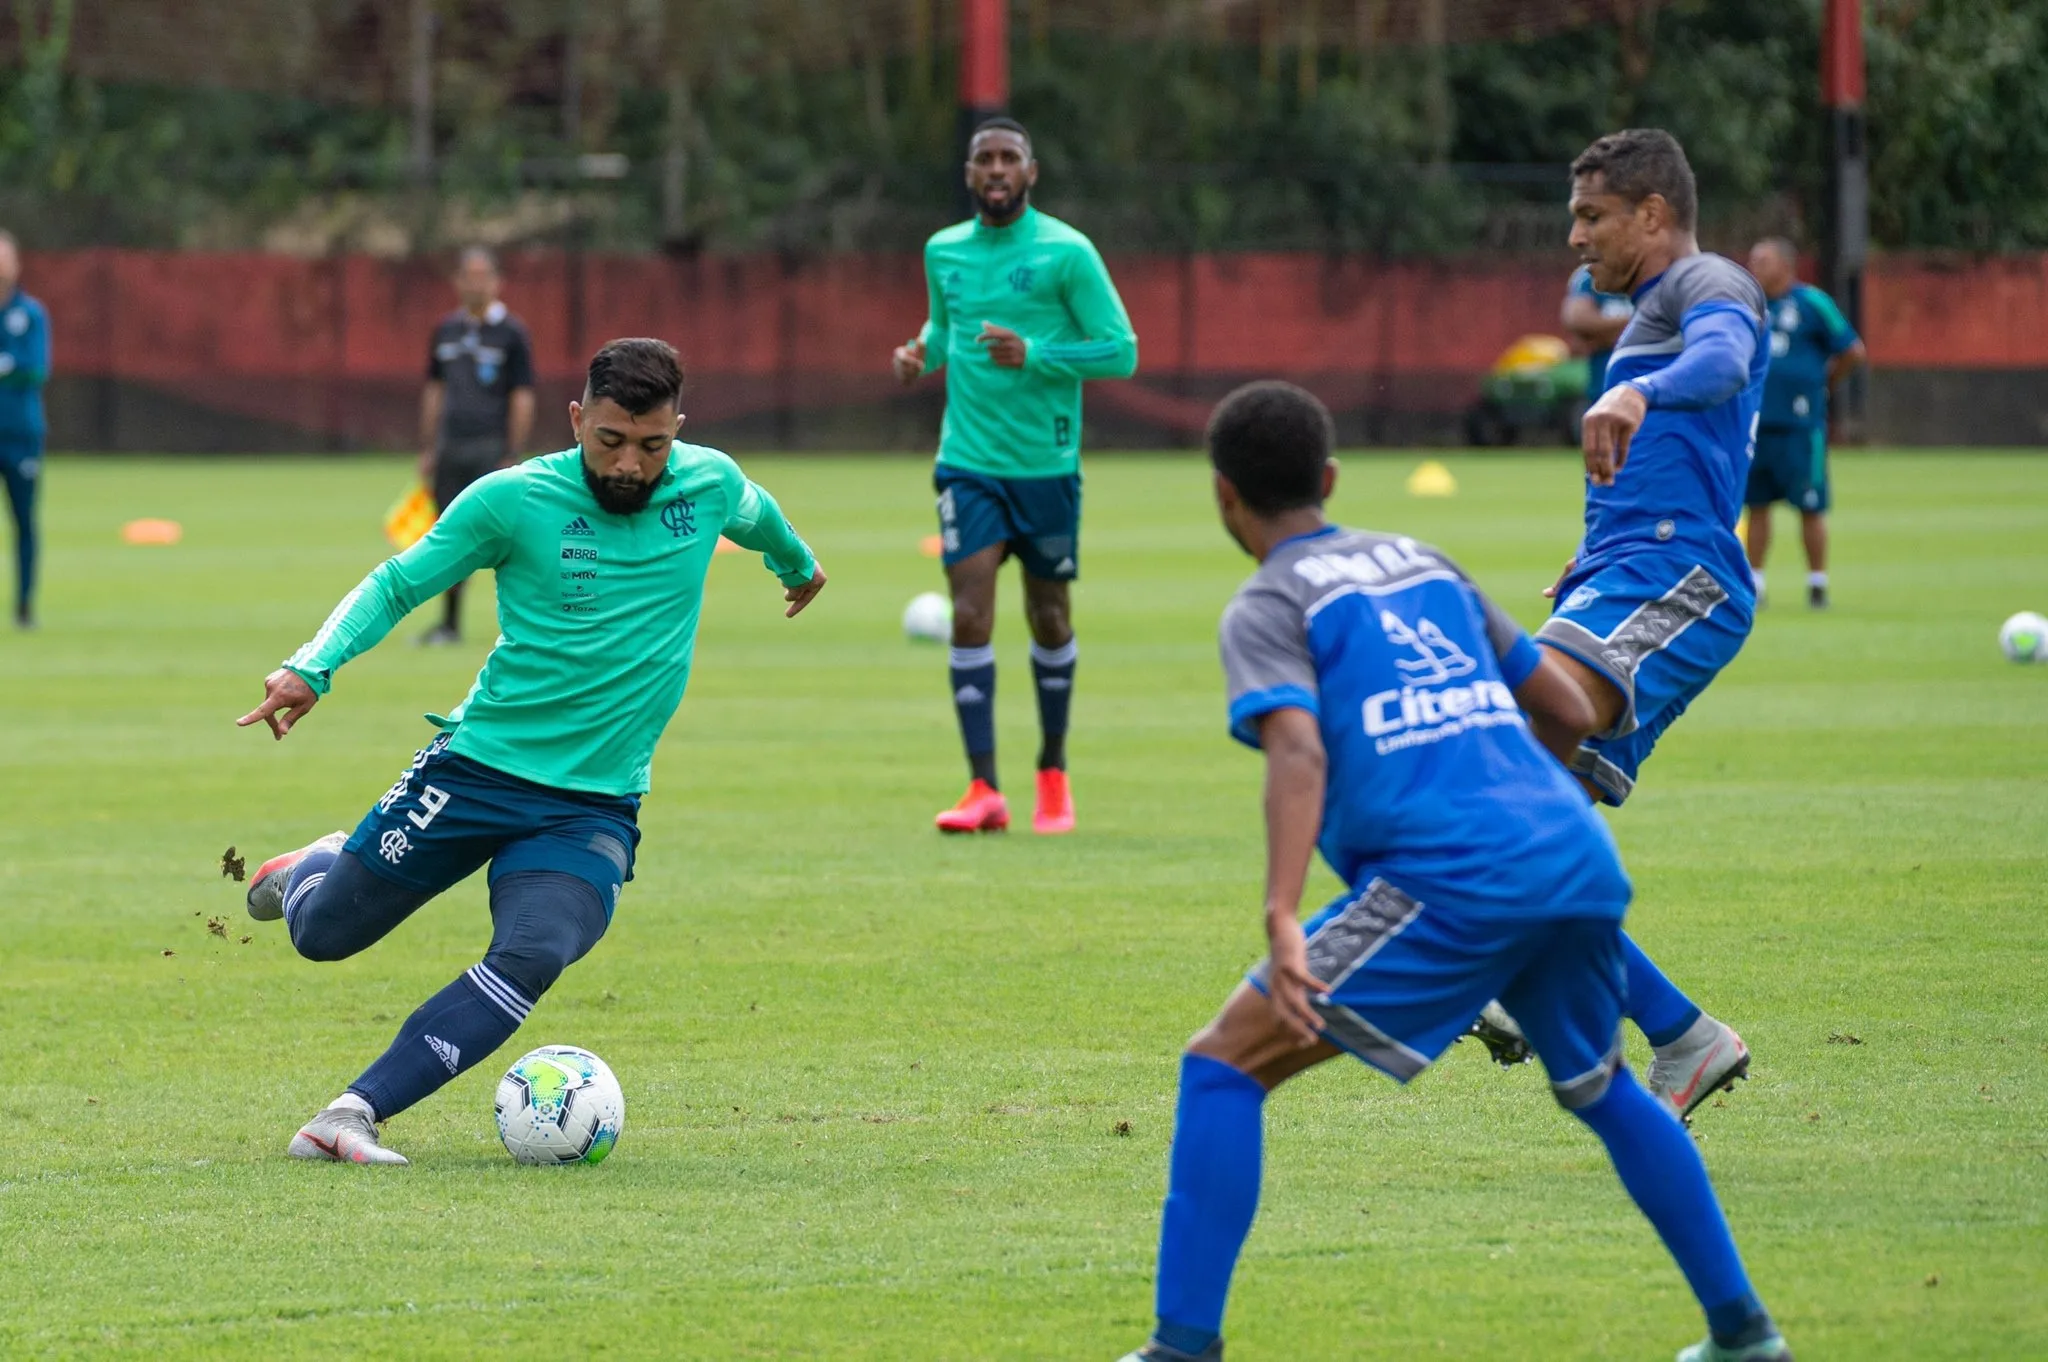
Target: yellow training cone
x,y
152,532
1432,479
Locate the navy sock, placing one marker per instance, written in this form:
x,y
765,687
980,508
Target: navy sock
x,y
974,699
21,475
305,877
451,1031
1212,1193
1053,670
1663,1173
1655,1005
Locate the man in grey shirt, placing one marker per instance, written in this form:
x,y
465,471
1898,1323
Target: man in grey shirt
x,y
477,407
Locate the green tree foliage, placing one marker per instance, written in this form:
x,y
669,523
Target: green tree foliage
x,y
807,125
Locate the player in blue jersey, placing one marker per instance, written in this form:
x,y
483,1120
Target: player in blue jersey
x,y
1812,348
1595,320
24,368
1658,600
1413,734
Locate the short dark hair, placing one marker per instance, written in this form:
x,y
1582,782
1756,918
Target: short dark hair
x,y
639,374
1272,440
1001,123
483,253
1786,251
1638,162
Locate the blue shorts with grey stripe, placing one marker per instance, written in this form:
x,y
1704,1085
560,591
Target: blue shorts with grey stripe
x,y
1660,627
1407,979
447,815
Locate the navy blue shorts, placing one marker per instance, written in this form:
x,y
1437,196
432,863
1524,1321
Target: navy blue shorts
x,y
1791,466
1037,519
1407,979
447,815
1660,628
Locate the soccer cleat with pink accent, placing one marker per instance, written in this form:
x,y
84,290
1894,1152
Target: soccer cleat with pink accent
x,y
342,1135
266,887
1055,811
1707,1059
981,809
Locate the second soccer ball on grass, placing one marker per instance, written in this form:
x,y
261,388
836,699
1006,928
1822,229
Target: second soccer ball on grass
x,y
2024,637
928,618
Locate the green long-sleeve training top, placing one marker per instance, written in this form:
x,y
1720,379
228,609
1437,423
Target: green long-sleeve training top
x,y
597,613
1045,281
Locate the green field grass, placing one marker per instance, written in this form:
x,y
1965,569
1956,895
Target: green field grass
x,y
895,1097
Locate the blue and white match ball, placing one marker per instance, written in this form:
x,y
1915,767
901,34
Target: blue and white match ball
x,y
2024,637
559,1104
929,617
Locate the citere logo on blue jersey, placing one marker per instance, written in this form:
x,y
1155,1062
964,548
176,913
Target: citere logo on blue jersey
x,y
1436,659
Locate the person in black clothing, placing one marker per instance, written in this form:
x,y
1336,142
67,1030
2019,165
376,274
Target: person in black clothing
x,y
477,407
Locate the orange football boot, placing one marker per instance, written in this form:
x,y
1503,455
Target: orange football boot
x,y
1055,812
981,809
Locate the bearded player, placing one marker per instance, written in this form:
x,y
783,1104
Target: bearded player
x,y
1658,598
600,553
1022,312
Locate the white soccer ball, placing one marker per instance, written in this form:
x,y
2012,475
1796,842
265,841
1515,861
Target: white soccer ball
x,y
929,617
2024,637
560,1104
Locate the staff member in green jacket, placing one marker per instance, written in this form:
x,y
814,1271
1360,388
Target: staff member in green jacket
x,y
1022,313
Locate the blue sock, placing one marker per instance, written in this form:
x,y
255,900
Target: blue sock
x,y
1212,1193
1655,1005
974,698
1053,670
302,879
451,1031
1662,1170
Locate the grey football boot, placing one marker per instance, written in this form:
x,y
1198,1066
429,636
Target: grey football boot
x,y
1155,1351
342,1135
266,890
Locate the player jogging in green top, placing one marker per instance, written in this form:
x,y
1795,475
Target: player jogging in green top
x,y
600,553
1813,348
1022,313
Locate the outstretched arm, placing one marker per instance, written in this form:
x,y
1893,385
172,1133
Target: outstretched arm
x,y
473,534
757,523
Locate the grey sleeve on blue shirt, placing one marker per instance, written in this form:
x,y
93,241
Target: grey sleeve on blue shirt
x,y
1708,278
1266,661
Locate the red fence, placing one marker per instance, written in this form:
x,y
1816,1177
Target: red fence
x,y
254,351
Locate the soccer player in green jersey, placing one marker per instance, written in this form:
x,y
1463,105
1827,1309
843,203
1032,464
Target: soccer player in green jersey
x,y
1022,313
600,553
1813,348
